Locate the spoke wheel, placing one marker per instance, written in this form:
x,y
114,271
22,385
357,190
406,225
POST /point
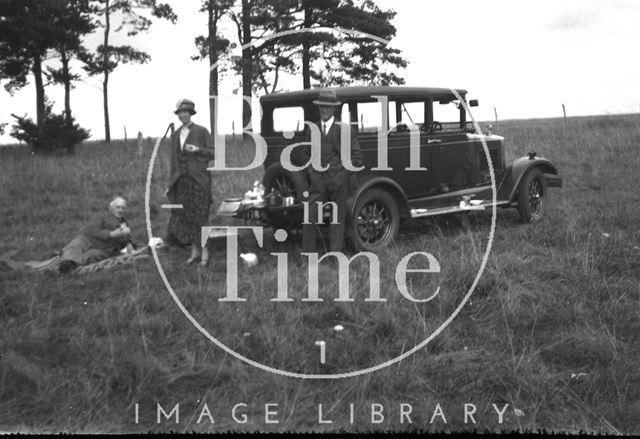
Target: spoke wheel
x,y
284,185
531,192
287,184
376,220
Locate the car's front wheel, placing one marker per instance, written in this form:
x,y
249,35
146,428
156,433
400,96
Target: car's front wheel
x,y
376,220
531,192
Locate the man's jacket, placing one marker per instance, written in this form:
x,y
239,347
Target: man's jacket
x,y
98,230
330,147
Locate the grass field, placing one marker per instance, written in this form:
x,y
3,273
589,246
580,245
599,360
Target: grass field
x,y
552,331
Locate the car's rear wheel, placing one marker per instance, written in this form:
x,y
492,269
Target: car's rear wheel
x,y
287,184
376,220
531,192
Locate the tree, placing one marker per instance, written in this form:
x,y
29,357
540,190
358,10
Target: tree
x,y
59,133
29,29
212,46
325,58
346,59
276,55
75,22
255,19
242,19
135,19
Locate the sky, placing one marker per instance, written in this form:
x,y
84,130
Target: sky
x,y
524,58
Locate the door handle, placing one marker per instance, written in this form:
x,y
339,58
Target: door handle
x,y
434,141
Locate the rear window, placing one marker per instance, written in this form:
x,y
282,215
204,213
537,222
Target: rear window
x,y
369,117
288,119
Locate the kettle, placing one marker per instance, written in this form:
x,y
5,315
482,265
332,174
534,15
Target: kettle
x,y
274,199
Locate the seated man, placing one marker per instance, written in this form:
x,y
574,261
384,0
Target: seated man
x,y
104,237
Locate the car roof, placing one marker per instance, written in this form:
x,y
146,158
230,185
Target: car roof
x,y
347,93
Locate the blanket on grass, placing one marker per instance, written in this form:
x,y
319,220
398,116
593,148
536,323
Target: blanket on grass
x,y
52,264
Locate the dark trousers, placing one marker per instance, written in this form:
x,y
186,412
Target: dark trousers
x,y
326,187
79,250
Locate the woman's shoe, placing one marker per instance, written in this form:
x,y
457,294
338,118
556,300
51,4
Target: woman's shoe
x,y
191,260
204,262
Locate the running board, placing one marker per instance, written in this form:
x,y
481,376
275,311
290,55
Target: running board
x,y
462,207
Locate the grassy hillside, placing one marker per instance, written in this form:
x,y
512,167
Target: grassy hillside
x,y
551,329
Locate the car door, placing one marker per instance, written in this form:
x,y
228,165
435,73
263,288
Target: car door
x,y
453,166
454,156
405,122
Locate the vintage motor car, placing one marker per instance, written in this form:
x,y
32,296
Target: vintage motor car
x,y
454,172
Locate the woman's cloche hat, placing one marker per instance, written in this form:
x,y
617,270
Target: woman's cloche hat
x,y
185,105
327,98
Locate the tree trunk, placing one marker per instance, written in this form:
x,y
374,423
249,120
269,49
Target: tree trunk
x,y
213,59
306,47
40,110
246,62
66,77
105,82
275,80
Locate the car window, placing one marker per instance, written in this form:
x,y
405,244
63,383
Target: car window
x,y
345,116
447,114
288,119
369,117
411,113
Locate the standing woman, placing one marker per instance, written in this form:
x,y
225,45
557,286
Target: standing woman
x,y
190,183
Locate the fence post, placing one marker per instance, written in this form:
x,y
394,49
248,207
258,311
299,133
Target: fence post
x,y
125,132
495,112
139,144
564,113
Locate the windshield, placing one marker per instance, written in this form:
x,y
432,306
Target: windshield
x,y
448,114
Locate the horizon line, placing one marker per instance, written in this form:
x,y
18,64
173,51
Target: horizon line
x,y
90,140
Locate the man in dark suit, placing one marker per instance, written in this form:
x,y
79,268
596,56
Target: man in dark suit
x,y
102,238
332,183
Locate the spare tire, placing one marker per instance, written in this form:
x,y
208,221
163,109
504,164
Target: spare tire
x,y
287,184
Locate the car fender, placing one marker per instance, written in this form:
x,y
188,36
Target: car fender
x,y
371,181
514,173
